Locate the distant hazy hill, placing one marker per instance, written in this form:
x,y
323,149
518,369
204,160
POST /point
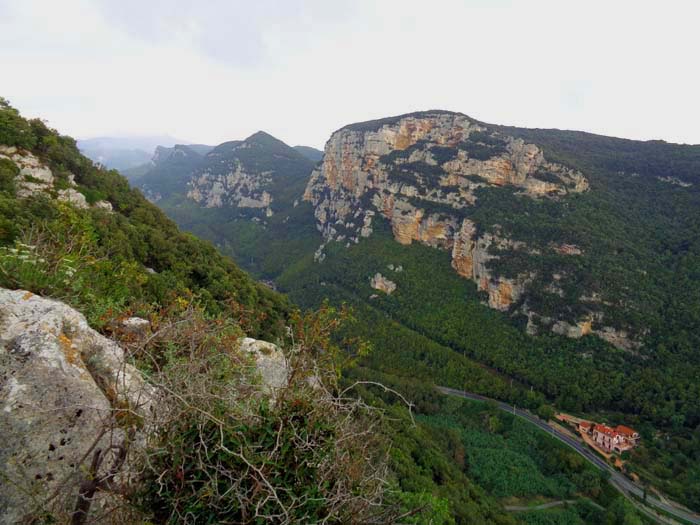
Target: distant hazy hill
x,y
123,152
310,153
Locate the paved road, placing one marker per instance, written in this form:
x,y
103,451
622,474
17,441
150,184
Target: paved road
x,y
551,504
618,480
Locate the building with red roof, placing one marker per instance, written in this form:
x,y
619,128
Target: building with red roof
x,y
618,439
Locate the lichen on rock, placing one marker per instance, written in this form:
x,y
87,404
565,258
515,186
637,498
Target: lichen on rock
x,y
61,384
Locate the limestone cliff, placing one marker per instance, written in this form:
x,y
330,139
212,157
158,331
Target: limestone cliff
x,y
236,188
422,172
252,175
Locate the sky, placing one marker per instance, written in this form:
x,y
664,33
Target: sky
x,y
208,71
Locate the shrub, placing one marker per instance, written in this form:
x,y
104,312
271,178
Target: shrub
x,y
226,453
8,172
14,130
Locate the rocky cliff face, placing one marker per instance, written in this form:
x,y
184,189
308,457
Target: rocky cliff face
x,y
236,188
421,172
249,175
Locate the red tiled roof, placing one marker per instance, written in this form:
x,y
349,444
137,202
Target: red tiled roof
x,y
586,424
605,430
625,431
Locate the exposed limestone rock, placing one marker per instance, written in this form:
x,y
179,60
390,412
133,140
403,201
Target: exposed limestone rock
x,y
103,205
406,167
470,258
59,385
270,362
618,338
73,197
574,331
676,181
237,188
34,177
463,249
519,166
568,249
136,325
379,282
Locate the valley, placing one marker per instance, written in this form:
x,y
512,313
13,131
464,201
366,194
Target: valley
x,y
505,267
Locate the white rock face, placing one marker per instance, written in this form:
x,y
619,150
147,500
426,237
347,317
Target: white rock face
x,y
379,282
59,383
237,188
73,197
137,326
270,362
34,176
103,205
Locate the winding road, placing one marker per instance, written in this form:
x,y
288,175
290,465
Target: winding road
x,y
626,486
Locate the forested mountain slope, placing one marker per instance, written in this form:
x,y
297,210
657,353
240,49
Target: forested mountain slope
x,y
587,245
141,255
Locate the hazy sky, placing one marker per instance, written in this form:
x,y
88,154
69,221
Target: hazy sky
x,y
214,70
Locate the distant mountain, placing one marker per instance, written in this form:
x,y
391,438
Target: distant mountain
x,y
123,152
257,176
310,153
168,171
202,149
260,172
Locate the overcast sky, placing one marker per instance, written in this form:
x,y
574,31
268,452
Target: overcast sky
x,y
213,70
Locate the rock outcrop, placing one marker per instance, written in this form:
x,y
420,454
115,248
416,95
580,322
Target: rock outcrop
x,y
381,283
35,177
420,172
61,385
73,197
270,362
64,392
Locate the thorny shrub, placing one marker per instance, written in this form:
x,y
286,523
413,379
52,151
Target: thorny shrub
x,y
228,452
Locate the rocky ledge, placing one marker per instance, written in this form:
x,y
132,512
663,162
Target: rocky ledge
x,y
62,387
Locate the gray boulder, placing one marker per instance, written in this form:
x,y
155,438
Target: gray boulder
x,y
61,386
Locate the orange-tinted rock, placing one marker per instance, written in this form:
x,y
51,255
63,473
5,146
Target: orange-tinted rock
x,y
366,168
463,250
